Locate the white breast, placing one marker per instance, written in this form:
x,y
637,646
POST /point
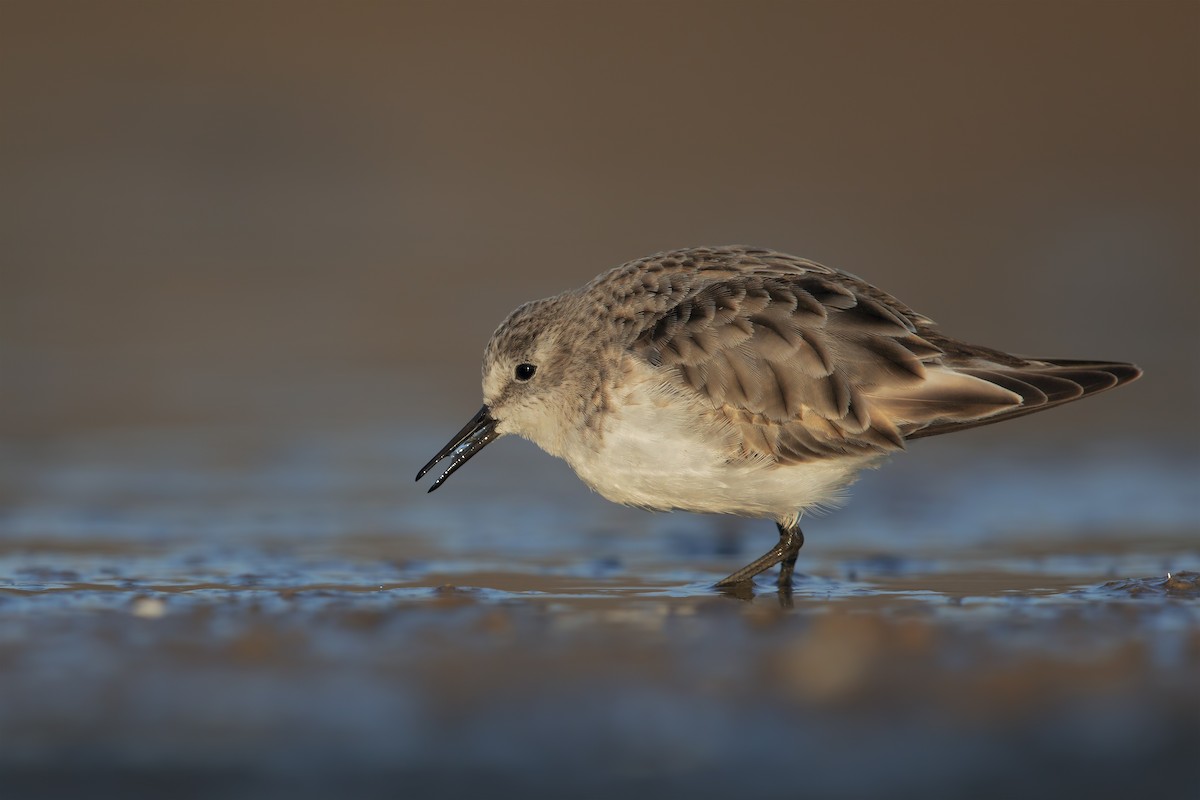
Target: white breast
x,y
657,449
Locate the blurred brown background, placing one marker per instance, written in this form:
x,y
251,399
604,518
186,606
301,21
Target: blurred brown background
x,y
257,212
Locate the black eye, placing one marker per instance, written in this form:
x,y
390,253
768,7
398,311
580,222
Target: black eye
x,y
524,371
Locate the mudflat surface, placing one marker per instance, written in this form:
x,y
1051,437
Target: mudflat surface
x,y
285,614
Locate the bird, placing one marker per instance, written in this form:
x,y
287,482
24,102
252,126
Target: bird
x,y
745,381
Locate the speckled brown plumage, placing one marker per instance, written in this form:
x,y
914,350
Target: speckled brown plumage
x,y
809,361
743,381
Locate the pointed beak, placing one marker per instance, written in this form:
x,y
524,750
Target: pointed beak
x,y
474,436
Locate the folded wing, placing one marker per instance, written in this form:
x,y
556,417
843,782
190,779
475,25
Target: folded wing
x,y
806,361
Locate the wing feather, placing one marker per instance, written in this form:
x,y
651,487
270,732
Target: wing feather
x,y
806,361
789,354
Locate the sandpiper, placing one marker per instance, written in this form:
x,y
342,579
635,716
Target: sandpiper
x,y
740,380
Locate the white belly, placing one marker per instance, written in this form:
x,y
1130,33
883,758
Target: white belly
x,y
654,451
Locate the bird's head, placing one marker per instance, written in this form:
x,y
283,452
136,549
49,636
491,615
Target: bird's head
x,y
539,375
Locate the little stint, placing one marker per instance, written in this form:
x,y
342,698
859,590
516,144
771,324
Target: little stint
x,y
738,380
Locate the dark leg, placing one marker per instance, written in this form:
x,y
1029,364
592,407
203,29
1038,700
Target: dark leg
x,y
795,540
784,553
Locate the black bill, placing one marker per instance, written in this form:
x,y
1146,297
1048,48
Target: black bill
x,y
474,436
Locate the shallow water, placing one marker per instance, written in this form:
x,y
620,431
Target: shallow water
x,y
285,613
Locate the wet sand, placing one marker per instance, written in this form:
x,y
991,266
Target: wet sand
x,y
285,616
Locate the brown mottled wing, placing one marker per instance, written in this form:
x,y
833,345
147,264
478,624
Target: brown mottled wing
x,y
807,362
795,360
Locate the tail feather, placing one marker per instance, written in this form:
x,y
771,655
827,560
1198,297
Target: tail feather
x,y
1041,384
